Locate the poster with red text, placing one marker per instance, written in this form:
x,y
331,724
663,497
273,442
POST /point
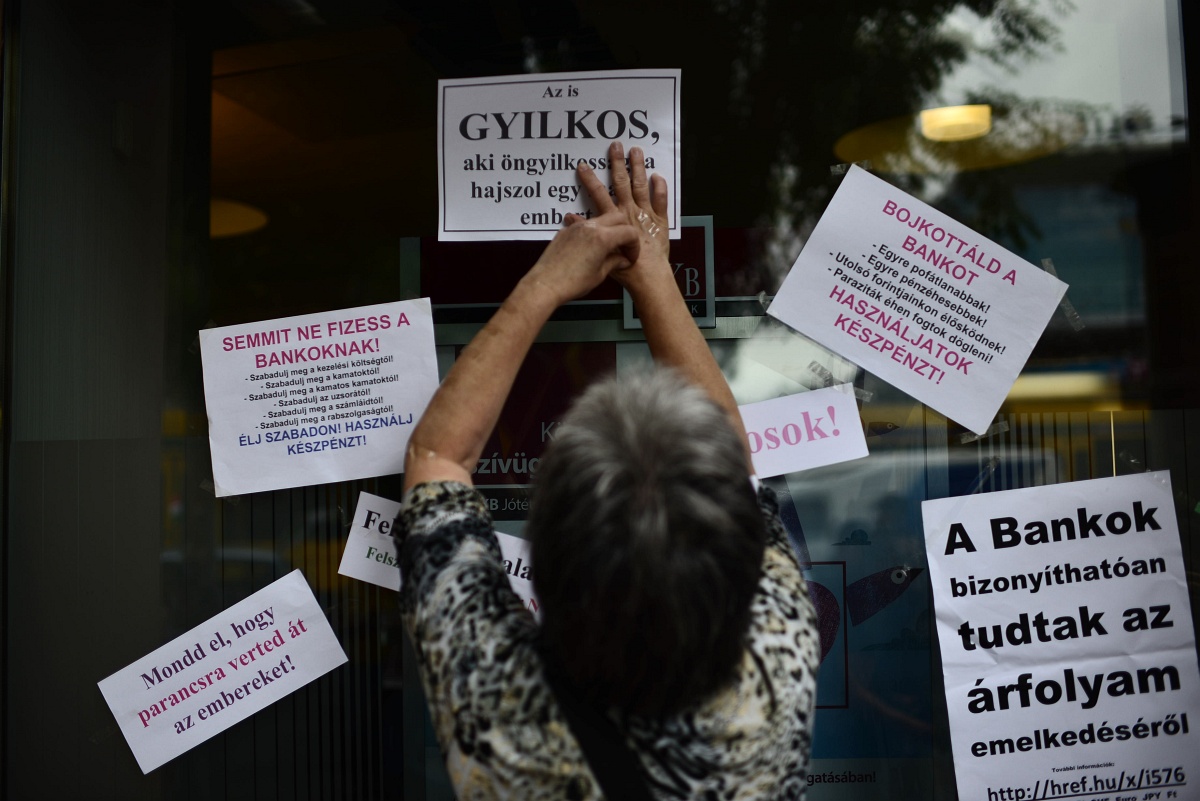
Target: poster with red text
x,y
242,660
508,146
316,398
918,299
805,430
1067,642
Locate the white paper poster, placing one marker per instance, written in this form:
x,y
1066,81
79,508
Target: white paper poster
x,y
802,431
918,299
223,671
508,146
371,554
1067,642
317,398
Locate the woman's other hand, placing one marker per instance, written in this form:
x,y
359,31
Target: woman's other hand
x,y
642,202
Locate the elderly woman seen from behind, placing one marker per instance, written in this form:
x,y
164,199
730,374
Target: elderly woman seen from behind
x,y
677,652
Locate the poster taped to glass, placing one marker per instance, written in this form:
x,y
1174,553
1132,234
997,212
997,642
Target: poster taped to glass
x,y
238,662
508,147
918,299
1067,642
317,398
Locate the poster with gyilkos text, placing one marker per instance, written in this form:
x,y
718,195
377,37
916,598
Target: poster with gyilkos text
x,y
1067,642
317,398
918,299
508,146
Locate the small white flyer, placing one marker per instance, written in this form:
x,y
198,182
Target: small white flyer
x,y
805,430
371,554
223,671
918,299
508,146
317,398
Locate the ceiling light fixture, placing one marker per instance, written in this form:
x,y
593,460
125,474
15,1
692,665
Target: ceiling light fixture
x,y
942,141
956,123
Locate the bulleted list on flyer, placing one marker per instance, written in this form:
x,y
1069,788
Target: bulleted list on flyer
x,y
918,299
318,398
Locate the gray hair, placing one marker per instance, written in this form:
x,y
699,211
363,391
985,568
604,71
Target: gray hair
x,y
647,543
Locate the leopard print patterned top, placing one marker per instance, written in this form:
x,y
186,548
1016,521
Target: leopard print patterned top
x,y
497,721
